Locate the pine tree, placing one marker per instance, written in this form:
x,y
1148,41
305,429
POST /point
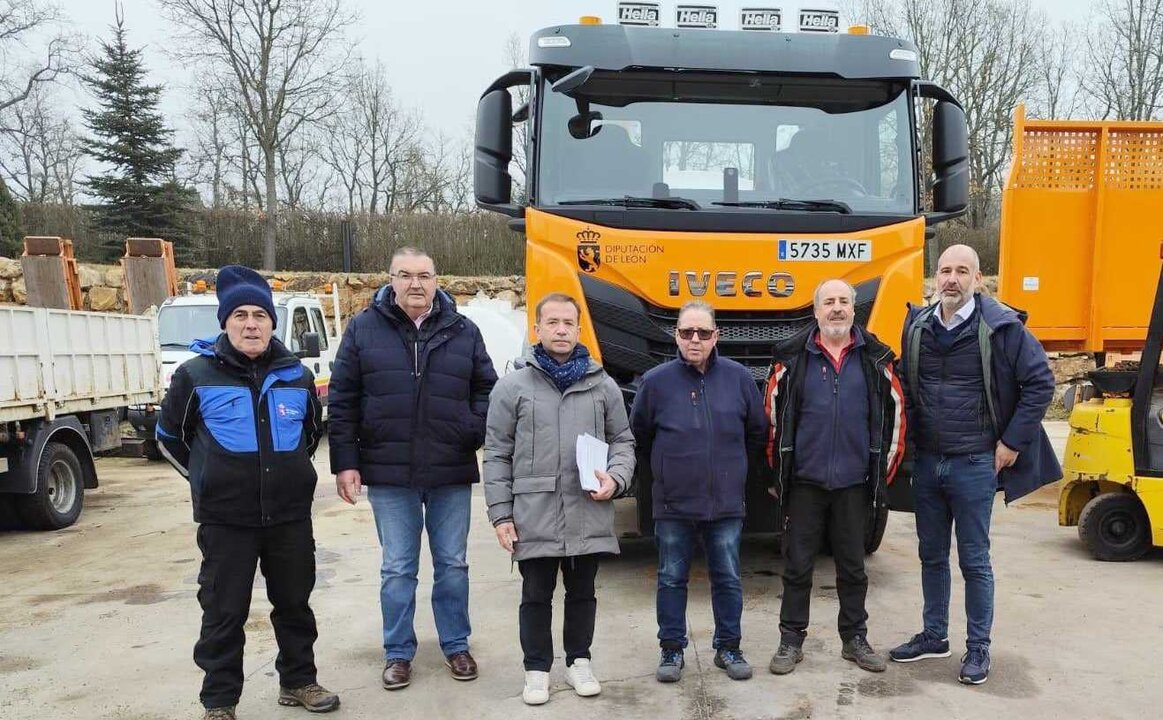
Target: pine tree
x,y
11,234
129,137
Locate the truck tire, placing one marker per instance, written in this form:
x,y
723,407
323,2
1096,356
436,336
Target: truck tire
x,y
1114,527
874,533
60,490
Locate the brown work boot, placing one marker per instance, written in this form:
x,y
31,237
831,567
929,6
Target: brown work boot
x,y
462,666
314,698
219,713
397,674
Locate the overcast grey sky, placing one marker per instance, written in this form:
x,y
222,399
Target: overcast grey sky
x,y
439,54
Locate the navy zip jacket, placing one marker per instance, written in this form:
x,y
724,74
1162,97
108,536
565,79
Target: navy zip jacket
x,y
1018,389
407,407
243,432
832,445
886,422
697,433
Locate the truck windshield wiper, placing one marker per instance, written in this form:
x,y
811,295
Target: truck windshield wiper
x,y
630,201
180,346
790,204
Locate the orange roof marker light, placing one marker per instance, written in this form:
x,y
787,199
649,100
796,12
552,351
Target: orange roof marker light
x,y
589,20
278,285
199,287
858,30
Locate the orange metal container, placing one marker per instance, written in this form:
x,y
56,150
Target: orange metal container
x,y
1082,225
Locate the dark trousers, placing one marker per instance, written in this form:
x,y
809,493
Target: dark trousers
x,y
286,555
812,508
539,579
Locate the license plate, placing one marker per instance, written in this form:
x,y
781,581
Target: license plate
x,y
826,250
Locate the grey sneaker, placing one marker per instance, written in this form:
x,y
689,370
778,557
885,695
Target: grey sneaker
x,y
219,713
785,658
313,698
860,652
732,660
669,666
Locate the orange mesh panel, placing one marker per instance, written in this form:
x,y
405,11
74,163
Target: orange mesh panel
x,y
1135,160
1058,160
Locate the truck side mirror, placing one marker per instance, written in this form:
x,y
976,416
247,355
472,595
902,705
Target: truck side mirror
x,y
492,183
311,347
950,158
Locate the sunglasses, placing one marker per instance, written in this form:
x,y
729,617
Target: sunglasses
x,y
688,333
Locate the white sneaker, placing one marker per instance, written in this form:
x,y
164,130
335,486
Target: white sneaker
x,y
580,676
536,690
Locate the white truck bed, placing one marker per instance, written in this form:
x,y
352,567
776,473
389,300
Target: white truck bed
x,y
60,362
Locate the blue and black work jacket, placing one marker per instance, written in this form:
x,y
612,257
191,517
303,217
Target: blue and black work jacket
x,y
243,432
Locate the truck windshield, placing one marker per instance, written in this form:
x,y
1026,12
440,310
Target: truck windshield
x,y
180,325
652,134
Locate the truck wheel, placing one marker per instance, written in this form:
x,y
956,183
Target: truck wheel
x,y
874,533
60,490
1114,527
151,451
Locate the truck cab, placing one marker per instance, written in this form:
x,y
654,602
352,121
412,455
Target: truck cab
x,y
301,325
664,164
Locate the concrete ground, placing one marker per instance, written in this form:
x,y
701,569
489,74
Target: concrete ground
x,y
98,622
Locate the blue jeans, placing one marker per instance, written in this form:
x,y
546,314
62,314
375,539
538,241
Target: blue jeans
x,y
401,513
955,492
676,543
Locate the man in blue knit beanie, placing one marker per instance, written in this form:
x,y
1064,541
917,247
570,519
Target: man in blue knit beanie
x,y
238,285
240,422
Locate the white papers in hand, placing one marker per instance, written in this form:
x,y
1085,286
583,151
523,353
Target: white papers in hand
x,y
591,456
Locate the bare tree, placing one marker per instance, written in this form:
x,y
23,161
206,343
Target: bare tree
x,y
987,53
21,23
346,151
1058,90
515,58
1125,59
280,55
372,143
458,191
209,153
301,173
40,153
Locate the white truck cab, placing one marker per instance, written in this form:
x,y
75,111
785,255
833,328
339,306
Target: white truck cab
x,y
300,324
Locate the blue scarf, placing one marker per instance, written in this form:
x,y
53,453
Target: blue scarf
x,y
565,373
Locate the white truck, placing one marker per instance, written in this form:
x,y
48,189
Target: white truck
x,y
66,377
301,325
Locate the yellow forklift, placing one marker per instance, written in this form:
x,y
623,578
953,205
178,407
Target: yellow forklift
x,y
1112,485
1080,251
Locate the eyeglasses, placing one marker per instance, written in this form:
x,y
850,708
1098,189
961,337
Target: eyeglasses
x,y
688,333
407,277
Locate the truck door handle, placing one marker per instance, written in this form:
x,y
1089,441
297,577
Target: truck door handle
x,y
316,367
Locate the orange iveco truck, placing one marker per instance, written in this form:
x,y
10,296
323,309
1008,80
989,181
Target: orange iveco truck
x,y
738,167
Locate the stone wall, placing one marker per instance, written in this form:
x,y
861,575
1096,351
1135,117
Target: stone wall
x,y
103,291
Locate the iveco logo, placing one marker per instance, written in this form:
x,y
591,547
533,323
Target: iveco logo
x,y
729,284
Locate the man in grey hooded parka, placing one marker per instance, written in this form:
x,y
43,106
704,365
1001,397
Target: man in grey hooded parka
x,y
537,504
